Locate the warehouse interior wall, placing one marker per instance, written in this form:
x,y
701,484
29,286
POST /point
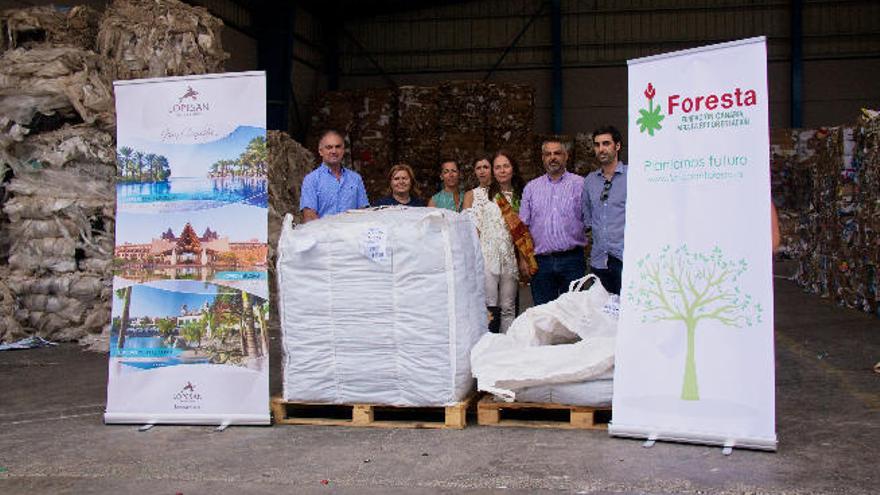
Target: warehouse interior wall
x,y
474,40
841,51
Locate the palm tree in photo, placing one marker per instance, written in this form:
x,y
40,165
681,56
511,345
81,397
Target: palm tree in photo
x,y
164,168
150,165
262,312
254,157
166,327
193,331
248,335
123,158
125,295
134,166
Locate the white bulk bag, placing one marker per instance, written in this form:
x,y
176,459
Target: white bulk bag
x,y
568,340
596,392
380,306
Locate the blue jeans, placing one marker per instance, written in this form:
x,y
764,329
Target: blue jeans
x,y
555,272
610,277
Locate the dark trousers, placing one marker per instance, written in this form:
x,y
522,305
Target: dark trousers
x,y
555,272
610,277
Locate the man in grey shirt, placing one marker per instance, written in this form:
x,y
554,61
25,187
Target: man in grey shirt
x,y
604,208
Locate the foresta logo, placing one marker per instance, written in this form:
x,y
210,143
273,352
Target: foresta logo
x,y
188,103
649,120
711,110
738,97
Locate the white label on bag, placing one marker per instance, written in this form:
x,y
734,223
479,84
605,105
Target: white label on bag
x,y
374,245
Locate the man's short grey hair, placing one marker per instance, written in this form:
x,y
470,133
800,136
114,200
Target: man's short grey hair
x,y
566,146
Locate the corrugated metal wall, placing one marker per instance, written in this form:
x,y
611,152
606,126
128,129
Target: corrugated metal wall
x,y
841,50
241,40
472,35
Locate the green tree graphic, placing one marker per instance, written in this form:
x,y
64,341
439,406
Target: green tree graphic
x,y
650,119
686,286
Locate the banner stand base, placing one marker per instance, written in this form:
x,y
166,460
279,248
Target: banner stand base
x,y
725,442
728,447
148,420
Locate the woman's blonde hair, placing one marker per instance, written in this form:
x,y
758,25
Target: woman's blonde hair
x,y
414,190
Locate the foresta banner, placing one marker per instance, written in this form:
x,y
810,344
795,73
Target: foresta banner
x,y
188,340
694,359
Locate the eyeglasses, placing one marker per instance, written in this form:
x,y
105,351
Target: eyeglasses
x,y
605,189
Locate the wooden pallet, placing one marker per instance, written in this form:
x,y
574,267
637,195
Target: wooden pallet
x,y
541,415
371,415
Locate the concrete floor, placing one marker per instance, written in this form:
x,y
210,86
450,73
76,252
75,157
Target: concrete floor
x,y
52,439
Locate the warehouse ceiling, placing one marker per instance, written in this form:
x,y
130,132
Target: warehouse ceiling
x,y
352,9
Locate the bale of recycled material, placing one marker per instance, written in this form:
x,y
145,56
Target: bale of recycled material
x,y
838,256
422,154
289,162
583,159
5,172
867,211
61,210
10,329
510,107
373,137
47,85
462,107
333,110
509,114
77,27
418,112
157,38
418,133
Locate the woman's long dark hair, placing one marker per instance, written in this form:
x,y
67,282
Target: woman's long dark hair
x,y
516,180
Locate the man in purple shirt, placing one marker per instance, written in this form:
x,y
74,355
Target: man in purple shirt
x,y
551,207
604,202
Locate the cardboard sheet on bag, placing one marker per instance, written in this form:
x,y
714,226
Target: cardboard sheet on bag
x,y
694,359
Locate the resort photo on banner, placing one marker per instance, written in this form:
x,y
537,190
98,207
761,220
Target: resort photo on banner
x,y
190,303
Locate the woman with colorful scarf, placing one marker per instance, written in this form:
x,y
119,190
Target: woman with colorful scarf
x,y
508,252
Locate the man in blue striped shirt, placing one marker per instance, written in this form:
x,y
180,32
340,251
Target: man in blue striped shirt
x,y
604,208
331,188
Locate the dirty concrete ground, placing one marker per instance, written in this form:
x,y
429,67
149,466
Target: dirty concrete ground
x,y
52,439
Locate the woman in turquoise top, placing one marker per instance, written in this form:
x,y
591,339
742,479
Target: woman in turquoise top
x,y
451,196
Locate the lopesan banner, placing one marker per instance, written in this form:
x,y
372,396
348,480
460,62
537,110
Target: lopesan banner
x,y
189,326
694,359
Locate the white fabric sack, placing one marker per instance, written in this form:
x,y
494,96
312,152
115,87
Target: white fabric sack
x,y
380,306
568,340
597,392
